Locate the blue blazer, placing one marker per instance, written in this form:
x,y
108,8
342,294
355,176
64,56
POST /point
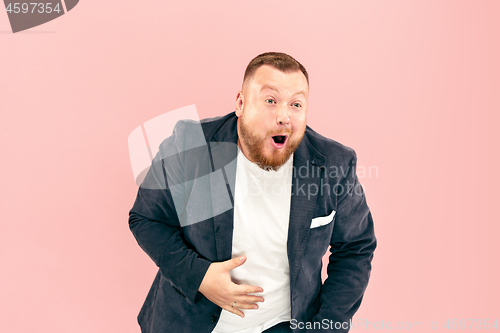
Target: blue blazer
x,y
183,244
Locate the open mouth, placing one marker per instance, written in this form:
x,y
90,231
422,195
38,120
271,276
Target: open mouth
x,y
279,141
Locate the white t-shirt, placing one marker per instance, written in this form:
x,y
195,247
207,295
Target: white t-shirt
x,y
261,217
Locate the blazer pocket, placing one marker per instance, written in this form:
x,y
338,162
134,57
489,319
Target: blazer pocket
x,y
322,220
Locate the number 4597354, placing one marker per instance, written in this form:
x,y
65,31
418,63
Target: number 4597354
x,y
40,8
473,323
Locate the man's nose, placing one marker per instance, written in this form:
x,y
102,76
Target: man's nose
x,y
283,116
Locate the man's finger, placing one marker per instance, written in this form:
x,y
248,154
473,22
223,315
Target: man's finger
x,y
246,306
235,262
250,299
235,311
243,289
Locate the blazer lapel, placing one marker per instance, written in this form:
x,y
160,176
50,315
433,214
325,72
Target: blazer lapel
x,y
224,152
305,187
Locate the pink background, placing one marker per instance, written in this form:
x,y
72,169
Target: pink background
x,y
413,86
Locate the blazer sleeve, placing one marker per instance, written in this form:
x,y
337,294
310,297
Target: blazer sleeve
x,y
155,224
352,245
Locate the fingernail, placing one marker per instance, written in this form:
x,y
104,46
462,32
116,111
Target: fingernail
x,y
255,307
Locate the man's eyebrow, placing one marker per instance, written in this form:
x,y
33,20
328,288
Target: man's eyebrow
x,y
268,86
303,92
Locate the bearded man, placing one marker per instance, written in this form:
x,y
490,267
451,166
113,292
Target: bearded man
x,y
238,226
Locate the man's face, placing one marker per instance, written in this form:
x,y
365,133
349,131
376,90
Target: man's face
x,y
272,111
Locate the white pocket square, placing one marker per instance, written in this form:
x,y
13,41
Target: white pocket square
x,y
322,220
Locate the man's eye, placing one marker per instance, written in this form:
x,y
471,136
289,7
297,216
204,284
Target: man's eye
x,y
297,105
269,101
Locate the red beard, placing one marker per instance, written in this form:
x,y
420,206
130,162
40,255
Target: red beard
x,y
255,146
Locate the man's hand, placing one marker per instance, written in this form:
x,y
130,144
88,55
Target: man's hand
x,y
219,289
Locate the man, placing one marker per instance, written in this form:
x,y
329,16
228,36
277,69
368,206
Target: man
x,y
238,225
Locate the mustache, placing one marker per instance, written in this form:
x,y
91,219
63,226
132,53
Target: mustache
x,y
279,132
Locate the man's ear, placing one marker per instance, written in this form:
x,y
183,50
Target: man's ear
x,y
239,103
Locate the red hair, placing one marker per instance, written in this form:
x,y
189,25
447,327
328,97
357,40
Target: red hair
x,y
278,60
